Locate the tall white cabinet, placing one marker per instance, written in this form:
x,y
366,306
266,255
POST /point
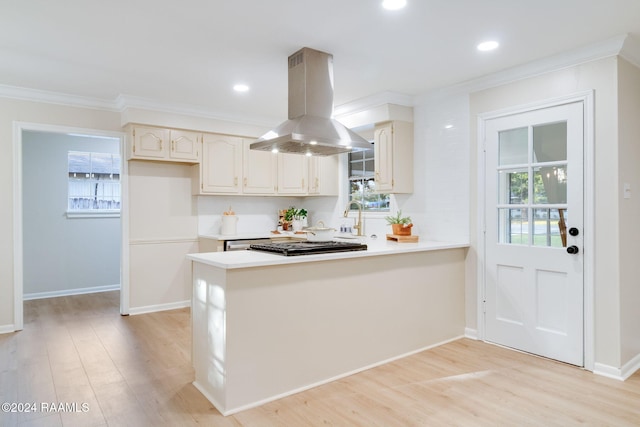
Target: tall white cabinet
x,y
393,147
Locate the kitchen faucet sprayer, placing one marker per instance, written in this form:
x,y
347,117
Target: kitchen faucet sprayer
x,y
358,225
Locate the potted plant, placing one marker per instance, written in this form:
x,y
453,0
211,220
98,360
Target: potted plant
x,y
400,225
295,218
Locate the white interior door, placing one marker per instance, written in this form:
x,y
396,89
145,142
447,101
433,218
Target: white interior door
x,y
534,284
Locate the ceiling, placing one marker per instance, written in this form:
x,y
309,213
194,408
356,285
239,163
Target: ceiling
x,y
191,53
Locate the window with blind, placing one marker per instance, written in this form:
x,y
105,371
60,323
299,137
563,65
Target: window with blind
x,y
362,185
94,183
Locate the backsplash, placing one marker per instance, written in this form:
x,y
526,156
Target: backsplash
x,y
260,214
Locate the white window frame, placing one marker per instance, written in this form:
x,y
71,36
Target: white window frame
x,y
94,213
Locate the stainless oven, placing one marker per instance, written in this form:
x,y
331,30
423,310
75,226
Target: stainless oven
x,y
242,245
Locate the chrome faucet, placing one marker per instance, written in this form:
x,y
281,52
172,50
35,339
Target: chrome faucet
x,y
358,225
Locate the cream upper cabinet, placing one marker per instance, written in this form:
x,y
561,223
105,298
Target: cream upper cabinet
x,y
152,143
393,148
221,168
259,171
323,176
293,177
185,145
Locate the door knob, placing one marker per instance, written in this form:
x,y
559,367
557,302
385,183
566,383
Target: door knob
x,y
573,249
574,231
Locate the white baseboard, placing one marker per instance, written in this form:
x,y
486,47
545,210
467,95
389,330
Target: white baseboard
x,y
471,333
620,374
7,329
67,292
607,371
159,307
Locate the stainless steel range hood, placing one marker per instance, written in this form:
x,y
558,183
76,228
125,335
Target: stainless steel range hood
x,y
310,129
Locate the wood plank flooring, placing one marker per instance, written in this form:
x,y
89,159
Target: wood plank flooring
x,y
136,371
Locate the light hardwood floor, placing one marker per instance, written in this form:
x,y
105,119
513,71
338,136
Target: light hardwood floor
x,y
136,371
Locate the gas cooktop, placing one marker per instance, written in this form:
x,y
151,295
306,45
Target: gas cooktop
x,y
307,248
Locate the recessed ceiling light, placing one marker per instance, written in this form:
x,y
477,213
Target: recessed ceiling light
x,y
313,142
488,45
448,126
274,150
394,4
308,154
241,88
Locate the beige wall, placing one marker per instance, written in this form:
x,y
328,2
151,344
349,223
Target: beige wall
x,y
629,172
599,76
31,112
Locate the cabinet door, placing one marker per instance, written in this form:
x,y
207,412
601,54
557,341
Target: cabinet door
x,y
185,145
292,174
259,170
323,176
221,166
383,149
149,142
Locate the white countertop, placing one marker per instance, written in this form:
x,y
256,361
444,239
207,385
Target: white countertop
x,y
375,247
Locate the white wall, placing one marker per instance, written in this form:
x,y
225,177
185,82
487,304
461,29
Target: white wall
x,y
599,76
62,254
629,159
440,203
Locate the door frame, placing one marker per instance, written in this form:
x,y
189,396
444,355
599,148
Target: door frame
x,y
18,255
587,100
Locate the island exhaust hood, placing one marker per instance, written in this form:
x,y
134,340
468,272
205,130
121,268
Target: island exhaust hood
x,y
310,129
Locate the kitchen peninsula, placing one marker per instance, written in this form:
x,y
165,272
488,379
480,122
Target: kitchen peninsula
x,y
265,326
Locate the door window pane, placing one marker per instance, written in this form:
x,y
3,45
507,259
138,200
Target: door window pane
x,y
550,142
550,185
513,187
549,228
513,146
513,226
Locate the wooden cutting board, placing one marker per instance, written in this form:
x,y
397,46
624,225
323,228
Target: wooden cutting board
x,y
402,239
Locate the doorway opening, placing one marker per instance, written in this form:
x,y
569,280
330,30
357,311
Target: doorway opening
x,y
70,223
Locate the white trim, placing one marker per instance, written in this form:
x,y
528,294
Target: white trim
x,y
67,292
593,52
18,259
124,228
18,278
159,307
326,381
372,101
631,51
58,98
93,214
631,367
472,334
623,45
587,99
7,329
608,371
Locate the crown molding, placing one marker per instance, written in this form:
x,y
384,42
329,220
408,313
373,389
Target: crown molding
x,y
373,101
626,46
593,52
58,98
125,102
631,50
